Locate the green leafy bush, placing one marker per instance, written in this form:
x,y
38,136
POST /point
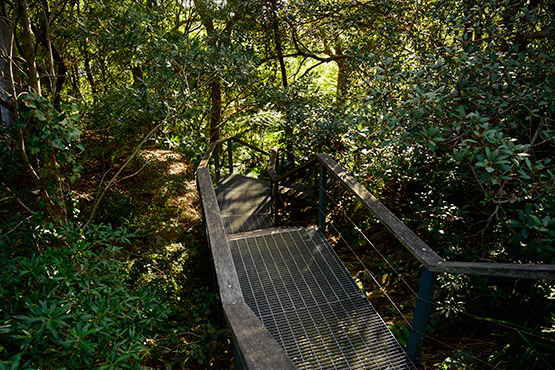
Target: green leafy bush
x,y
66,302
44,147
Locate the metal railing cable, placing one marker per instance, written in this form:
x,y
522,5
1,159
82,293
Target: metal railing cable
x,y
399,275
359,230
382,289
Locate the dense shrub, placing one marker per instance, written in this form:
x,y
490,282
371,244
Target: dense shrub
x,y
66,302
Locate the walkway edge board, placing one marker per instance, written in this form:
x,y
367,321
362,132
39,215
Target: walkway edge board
x,y
259,350
256,346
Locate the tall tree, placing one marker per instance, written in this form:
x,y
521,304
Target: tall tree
x,y
28,45
217,37
6,89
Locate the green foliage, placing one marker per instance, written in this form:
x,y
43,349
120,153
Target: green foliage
x,y
116,209
445,108
466,130
66,302
45,145
309,114
401,333
51,135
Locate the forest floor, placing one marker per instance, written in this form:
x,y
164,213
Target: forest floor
x,y
157,199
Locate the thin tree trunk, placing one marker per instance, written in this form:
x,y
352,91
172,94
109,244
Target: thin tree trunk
x,y
57,65
88,71
6,115
277,39
75,81
28,48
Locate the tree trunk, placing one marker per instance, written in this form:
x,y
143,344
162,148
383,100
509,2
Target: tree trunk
x,y
277,39
215,86
28,48
88,71
6,115
75,81
215,110
57,65
342,75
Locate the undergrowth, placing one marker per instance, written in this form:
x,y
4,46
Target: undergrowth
x,y
135,295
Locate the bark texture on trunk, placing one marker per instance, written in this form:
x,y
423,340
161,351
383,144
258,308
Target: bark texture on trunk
x,y
6,89
28,47
215,86
277,40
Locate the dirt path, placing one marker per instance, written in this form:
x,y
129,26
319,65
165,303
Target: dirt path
x,y
159,200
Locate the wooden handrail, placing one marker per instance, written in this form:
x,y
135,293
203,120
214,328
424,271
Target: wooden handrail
x,y
416,246
208,154
256,347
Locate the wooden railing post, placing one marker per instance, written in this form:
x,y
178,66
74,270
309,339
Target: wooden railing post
x,y
239,363
421,313
217,162
323,198
230,156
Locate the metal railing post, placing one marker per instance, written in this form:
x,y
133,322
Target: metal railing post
x,y
421,313
322,199
230,156
217,163
275,191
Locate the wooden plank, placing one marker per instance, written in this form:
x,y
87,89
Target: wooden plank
x,y
228,282
512,270
299,168
237,140
418,248
257,347
207,155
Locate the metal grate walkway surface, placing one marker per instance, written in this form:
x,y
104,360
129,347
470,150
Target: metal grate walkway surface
x,y
245,204
297,286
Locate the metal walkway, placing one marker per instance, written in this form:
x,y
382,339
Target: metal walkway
x,y
245,204
295,284
287,298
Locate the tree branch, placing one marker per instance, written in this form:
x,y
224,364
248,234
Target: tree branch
x,y
114,178
18,200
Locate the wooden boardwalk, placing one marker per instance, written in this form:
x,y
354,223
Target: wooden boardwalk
x,y
295,284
